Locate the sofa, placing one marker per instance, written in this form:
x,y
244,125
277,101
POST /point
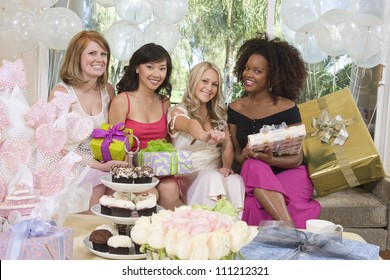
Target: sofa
x,y
364,210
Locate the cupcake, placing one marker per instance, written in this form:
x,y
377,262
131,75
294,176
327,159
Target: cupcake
x,y
124,195
120,245
106,202
124,229
122,208
122,173
145,204
144,174
99,237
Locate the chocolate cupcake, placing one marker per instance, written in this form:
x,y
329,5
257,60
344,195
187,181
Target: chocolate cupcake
x,y
122,208
121,173
144,174
99,237
106,202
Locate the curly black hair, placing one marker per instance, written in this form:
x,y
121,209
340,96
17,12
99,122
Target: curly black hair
x,y
147,53
287,70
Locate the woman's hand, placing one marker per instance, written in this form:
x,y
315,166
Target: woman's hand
x,y
265,156
213,137
106,166
226,171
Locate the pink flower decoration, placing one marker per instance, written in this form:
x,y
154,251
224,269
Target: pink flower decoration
x,y
49,139
12,74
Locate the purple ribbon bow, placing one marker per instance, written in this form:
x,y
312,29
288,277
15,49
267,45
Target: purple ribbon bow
x,y
115,132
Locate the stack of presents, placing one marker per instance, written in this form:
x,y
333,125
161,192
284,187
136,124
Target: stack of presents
x,y
338,149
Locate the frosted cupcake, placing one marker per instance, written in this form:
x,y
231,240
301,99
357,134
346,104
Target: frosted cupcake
x,y
121,173
120,245
99,237
146,204
106,202
144,174
122,208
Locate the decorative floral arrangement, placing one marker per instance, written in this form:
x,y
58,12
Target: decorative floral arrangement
x,y
193,233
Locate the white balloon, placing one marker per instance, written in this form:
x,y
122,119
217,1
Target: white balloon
x,y
299,15
371,61
58,26
124,39
363,41
162,33
329,31
170,10
134,11
106,3
328,5
307,45
287,32
375,8
19,29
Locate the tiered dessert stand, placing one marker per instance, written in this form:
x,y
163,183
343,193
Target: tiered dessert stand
x,y
126,188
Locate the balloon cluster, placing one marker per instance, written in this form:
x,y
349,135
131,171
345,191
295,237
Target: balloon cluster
x,y
22,27
158,16
325,28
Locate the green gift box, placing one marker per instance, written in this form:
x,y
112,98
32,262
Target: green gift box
x,y
109,142
333,119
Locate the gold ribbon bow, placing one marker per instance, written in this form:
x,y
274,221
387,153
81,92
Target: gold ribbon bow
x,y
327,127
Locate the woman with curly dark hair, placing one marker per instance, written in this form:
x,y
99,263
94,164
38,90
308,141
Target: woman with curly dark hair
x,y
277,187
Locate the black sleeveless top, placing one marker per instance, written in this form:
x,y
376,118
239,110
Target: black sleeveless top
x,y
246,126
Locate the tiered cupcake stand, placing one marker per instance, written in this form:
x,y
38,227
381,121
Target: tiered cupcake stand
x,y
128,221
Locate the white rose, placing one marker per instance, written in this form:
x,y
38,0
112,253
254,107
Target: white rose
x,y
183,246
141,230
218,244
240,235
199,249
170,242
161,216
157,236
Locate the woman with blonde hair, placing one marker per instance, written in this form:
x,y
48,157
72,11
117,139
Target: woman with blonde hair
x,y
198,124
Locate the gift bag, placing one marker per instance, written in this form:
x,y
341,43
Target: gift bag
x,y
111,141
338,149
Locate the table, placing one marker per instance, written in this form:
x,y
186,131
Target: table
x,y
84,224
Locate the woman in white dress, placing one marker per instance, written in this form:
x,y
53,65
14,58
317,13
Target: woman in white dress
x,y
84,75
198,124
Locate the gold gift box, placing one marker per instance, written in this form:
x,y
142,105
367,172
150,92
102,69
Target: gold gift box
x,y
332,167
116,148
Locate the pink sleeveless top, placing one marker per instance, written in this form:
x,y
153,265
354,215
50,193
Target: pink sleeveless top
x,y
147,131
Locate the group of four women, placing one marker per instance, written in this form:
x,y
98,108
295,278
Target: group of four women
x,y
272,73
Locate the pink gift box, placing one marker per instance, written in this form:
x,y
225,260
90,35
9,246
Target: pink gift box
x,y
45,247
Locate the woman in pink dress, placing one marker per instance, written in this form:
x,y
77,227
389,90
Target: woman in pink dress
x,y
143,95
277,187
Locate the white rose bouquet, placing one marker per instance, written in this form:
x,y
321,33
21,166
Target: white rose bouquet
x,y
192,233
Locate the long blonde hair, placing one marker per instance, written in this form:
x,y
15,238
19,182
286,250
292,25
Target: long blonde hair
x,y
216,108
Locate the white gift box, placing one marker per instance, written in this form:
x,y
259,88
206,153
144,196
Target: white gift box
x,y
280,139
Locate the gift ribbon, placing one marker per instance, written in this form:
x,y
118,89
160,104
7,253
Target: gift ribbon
x,y
160,145
326,127
327,245
22,230
115,132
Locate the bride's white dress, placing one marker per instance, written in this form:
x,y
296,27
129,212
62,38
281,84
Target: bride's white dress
x,y
205,184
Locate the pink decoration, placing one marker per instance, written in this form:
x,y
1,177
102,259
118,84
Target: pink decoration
x,y
49,139
48,182
12,74
3,189
66,164
14,153
79,127
46,113
3,117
